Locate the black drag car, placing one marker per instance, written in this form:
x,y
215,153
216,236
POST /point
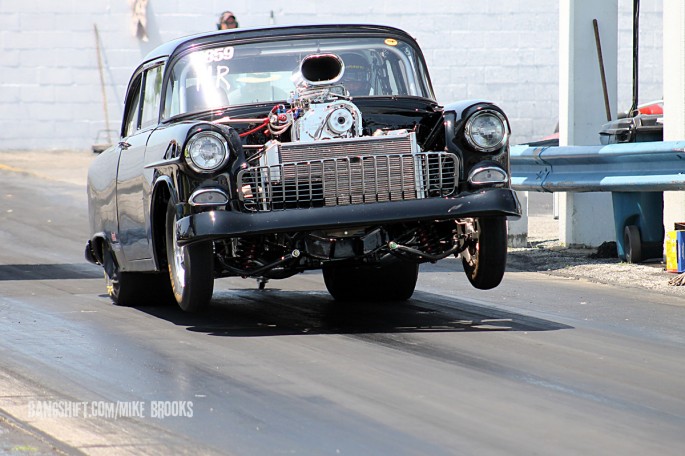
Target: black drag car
x,y
268,152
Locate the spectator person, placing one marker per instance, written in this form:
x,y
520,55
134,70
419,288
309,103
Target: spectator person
x,y
227,21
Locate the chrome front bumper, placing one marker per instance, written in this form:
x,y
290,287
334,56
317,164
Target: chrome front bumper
x,y
214,225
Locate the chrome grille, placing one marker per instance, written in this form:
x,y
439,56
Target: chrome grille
x,y
358,179
374,145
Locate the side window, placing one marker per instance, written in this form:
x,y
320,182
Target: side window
x,y
152,95
132,115
398,77
172,105
392,79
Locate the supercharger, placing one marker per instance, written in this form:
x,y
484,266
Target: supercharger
x,y
321,110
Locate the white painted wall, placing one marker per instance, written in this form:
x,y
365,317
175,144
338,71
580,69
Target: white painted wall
x,y
674,98
585,219
503,50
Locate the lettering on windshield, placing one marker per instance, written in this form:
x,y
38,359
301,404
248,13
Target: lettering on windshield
x,y
212,55
202,63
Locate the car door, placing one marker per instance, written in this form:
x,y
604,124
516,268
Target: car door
x,y
133,180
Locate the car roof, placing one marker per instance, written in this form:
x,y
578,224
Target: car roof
x,y
180,44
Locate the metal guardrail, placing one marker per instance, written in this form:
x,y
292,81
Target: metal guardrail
x,y
627,167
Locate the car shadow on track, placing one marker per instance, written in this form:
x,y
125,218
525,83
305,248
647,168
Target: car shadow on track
x,y
272,312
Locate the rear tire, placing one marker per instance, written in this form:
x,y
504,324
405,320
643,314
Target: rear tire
x,y
191,268
391,282
488,262
131,289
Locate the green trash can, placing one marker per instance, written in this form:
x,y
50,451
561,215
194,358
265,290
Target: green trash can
x,y
638,216
638,220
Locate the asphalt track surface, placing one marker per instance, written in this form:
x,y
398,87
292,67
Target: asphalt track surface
x,y
540,365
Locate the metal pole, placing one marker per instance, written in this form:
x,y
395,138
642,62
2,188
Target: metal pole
x,y
636,33
102,83
601,70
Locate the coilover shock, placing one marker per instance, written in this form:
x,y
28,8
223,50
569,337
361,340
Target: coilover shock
x,y
246,250
428,238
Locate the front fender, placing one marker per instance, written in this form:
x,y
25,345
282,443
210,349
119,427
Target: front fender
x,y
459,107
456,115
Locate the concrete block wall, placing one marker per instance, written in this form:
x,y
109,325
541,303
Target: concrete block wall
x,y
501,50
651,55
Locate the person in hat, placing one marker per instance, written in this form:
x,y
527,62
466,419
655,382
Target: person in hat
x,y
227,21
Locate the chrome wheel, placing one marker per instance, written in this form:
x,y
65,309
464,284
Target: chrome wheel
x,y
191,267
485,257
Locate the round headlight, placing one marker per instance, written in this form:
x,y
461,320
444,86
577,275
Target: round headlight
x,y
486,130
206,151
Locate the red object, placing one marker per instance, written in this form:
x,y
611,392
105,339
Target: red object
x,y
260,127
652,108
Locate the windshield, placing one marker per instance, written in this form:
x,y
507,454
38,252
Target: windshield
x,y
263,72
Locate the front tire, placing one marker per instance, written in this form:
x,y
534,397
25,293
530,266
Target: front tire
x,y
191,268
487,255
391,282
